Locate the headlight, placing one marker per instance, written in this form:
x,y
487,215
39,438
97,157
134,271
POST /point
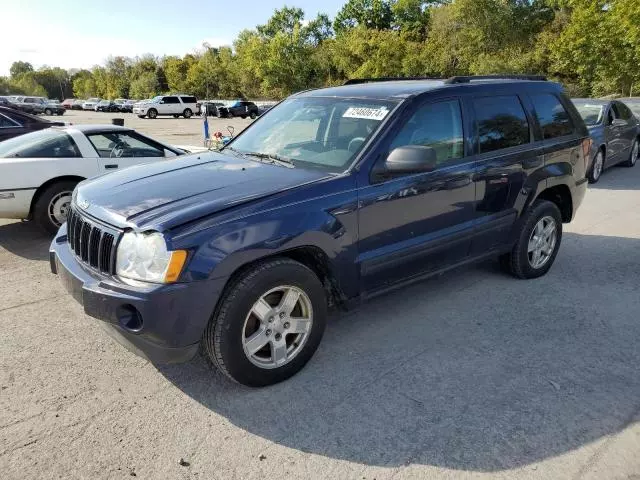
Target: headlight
x,y
144,256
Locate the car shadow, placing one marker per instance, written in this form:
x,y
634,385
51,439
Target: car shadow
x,y
25,239
471,370
619,177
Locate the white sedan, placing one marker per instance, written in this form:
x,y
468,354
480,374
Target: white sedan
x,y
39,170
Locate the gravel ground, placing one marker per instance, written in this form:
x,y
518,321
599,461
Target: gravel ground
x,y
174,131
469,375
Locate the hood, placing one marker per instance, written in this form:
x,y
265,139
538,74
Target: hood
x,y
165,194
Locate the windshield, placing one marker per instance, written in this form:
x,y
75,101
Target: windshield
x,y
591,113
93,100
317,132
156,99
43,143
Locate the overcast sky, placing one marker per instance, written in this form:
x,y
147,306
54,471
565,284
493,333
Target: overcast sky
x,y
80,34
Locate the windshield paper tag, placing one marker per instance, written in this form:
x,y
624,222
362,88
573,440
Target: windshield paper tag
x,y
367,113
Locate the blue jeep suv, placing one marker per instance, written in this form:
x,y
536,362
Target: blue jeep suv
x,y
334,196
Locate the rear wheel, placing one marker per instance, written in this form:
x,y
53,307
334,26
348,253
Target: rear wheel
x,y
176,116
269,323
597,167
635,153
152,113
538,242
51,208
187,113
253,115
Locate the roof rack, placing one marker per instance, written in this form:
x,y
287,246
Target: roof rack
x,y
357,81
470,78
451,80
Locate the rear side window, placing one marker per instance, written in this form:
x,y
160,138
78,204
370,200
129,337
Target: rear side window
x,y
47,143
502,123
552,116
623,112
188,99
171,100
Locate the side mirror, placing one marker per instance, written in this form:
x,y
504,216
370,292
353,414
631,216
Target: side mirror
x,y
618,122
411,159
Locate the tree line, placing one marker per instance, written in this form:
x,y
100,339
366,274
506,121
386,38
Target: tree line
x,y
591,46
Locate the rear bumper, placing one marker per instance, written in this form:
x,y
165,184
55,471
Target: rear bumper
x,y
167,320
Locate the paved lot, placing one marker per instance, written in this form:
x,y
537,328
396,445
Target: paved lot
x,y
469,375
180,131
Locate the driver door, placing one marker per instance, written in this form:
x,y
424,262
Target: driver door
x,y
118,150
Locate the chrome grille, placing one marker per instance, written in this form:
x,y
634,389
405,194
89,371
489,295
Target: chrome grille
x,y
93,244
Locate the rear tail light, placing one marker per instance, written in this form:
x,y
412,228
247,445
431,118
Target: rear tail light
x,y
586,151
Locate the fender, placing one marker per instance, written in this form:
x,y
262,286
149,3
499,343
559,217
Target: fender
x,y
327,223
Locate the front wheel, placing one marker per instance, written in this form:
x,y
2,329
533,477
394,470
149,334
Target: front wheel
x,y
51,209
48,111
253,115
269,323
152,113
538,242
635,153
187,113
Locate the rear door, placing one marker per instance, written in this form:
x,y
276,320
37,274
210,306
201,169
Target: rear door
x,y
628,131
118,150
506,152
172,106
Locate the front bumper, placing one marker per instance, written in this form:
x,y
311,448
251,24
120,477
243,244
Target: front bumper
x,y
140,111
169,319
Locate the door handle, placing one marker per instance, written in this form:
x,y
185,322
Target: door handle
x,y
111,166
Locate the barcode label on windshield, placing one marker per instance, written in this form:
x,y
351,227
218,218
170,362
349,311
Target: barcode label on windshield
x,y
368,113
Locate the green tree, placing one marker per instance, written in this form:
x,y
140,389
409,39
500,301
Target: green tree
x,y
18,68
145,86
374,14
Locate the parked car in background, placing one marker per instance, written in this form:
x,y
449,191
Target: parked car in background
x,y
91,103
211,108
68,103
107,106
10,102
241,108
167,105
334,196
36,104
615,132
54,107
633,103
14,123
127,106
41,169
77,104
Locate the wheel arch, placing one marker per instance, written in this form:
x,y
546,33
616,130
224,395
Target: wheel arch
x,y
47,184
561,196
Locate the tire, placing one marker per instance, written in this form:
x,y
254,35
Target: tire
x,y
49,199
253,116
519,262
48,111
596,170
176,116
187,113
229,115
140,116
633,156
152,113
225,338
243,117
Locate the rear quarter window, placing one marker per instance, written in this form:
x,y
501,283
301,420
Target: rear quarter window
x,y
188,99
553,118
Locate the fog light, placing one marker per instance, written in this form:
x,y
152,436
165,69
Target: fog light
x,y
129,318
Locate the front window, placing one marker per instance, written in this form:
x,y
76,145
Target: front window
x,y
48,143
591,113
315,132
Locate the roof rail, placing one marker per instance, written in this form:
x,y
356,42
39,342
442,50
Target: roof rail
x,y
357,81
470,78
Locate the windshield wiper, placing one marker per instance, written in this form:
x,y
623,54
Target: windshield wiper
x,y
273,159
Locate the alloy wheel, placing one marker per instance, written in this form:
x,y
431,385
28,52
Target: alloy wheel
x,y
542,242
